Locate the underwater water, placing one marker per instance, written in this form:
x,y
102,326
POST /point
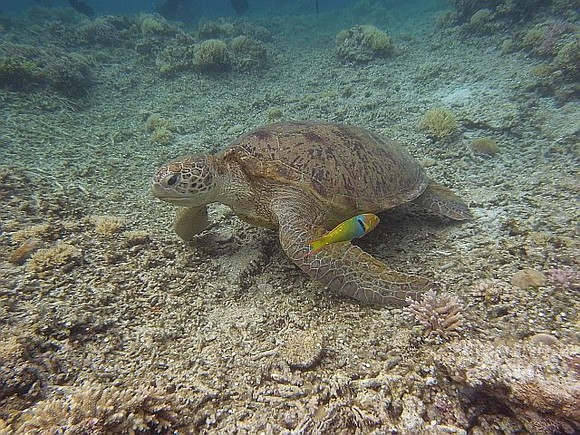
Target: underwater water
x,y
203,7
456,122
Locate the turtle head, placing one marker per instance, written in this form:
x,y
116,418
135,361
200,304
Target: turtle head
x,y
187,181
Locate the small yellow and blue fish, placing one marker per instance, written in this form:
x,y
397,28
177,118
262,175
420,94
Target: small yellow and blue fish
x,y
353,228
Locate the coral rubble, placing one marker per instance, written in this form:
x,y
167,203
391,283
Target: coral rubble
x,y
96,408
531,380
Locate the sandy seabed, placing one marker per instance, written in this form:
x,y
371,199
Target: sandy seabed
x,y
110,323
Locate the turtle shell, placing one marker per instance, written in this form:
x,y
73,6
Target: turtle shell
x,y
346,167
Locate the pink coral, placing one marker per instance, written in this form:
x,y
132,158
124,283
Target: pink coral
x,y
439,313
566,278
552,38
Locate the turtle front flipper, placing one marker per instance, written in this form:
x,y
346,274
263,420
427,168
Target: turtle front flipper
x,y
343,267
441,200
190,221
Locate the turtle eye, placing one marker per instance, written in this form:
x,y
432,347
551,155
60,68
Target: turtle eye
x,y
172,181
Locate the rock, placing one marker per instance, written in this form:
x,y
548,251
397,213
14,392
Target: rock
x,y
528,278
302,349
543,338
25,250
485,145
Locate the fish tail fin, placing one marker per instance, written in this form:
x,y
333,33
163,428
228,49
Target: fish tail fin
x,y
316,245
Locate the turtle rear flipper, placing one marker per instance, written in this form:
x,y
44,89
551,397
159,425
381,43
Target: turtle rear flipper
x,y
343,267
441,200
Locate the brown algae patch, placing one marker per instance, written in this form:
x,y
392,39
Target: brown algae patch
x,y
61,255
107,225
440,123
37,231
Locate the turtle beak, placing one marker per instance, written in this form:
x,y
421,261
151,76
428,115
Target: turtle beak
x,y
163,193
170,195
164,187
158,190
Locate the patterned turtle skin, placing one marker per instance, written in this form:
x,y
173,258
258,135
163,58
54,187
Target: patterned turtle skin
x,y
303,178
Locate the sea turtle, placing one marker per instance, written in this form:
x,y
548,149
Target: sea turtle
x,y
303,178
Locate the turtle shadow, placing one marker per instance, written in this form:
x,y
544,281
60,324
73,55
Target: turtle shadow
x,y
409,217
407,230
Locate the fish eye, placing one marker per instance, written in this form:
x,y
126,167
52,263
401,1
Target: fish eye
x,y
172,181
